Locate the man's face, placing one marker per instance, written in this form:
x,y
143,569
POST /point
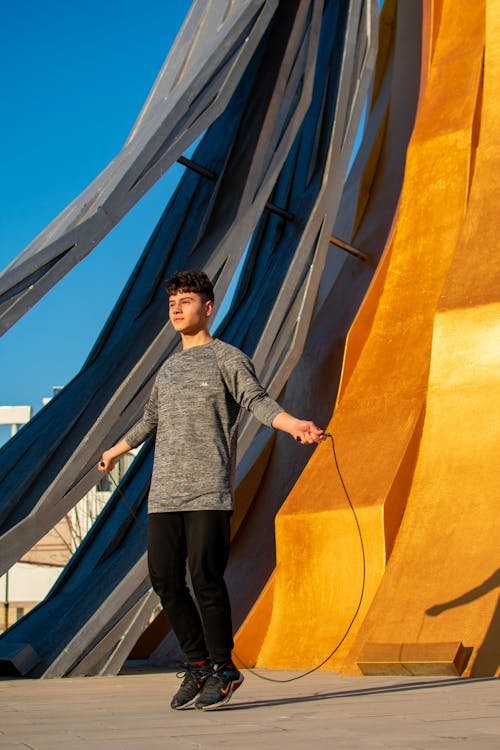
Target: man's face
x,y
188,313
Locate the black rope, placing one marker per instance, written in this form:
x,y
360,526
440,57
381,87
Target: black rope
x,y
327,658
130,510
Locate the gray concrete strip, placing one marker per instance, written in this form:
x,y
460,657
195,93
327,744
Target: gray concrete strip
x,y
131,711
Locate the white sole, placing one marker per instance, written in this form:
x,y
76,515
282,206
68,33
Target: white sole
x,y
189,704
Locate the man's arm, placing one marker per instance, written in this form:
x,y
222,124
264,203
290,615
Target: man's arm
x,y
240,377
136,435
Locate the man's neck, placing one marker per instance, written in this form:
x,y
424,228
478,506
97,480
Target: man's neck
x,y
197,339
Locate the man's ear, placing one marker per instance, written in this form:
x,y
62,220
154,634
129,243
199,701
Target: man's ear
x,y
209,307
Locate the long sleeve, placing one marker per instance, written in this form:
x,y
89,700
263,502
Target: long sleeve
x,y
239,375
147,425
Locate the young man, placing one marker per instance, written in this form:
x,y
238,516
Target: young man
x,y
194,409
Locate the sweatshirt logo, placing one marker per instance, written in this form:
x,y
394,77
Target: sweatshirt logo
x,y
204,383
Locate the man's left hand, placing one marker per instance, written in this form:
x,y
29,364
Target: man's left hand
x,y
307,432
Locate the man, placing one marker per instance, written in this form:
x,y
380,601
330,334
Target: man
x,y
194,409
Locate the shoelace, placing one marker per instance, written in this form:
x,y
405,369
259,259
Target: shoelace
x,y
192,672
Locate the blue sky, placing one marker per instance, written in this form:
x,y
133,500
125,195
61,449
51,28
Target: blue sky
x,y
73,79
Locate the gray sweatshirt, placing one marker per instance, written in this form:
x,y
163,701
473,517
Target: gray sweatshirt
x,y
194,407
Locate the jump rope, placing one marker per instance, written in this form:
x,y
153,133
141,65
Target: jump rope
x,y
318,666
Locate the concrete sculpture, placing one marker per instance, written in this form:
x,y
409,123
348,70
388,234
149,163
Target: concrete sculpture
x,y
393,347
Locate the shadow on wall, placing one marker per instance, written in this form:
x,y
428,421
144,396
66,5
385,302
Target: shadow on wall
x,y
487,661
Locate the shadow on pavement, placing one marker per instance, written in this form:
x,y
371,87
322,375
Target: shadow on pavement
x,y
399,688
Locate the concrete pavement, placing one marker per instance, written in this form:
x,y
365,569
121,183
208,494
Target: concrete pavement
x,y
322,710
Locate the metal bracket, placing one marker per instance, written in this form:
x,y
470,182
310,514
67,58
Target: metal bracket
x,y
190,164
350,249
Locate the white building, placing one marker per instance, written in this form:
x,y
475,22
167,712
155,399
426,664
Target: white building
x,y
31,578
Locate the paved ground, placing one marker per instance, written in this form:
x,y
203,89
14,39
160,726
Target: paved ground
x,y
131,712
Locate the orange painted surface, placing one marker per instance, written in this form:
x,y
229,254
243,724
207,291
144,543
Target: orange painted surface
x,y
251,636
418,366
444,574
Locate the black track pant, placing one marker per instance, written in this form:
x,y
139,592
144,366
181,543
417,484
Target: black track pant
x,y
202,538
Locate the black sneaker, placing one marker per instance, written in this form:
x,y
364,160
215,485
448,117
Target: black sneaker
x,y
195,676
219,687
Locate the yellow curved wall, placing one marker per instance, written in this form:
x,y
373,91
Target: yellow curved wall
x,y
442,580
420,366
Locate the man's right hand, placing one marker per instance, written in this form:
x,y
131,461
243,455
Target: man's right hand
x,y
106,463
108,458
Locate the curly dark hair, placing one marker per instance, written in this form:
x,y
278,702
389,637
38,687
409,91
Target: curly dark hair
x,y
190,281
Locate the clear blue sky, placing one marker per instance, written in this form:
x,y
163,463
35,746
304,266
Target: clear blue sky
x,y
73,79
